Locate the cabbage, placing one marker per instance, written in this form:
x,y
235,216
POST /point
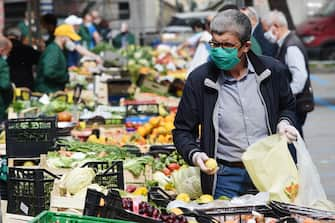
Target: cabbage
x,y
187,180
161,179
77,179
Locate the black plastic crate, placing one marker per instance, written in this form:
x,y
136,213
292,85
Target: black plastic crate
x,y
30,137
155,150
94,203
285,209
110,206
159,197
3,190
113,209
29,190
109,175
238,212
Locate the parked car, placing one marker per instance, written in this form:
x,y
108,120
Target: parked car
x,y
318,33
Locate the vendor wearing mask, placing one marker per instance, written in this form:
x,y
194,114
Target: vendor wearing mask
x,y
5,85
237,98
52,72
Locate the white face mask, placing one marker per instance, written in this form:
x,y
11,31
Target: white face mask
x,y
4,57
270,36
88,24
70,45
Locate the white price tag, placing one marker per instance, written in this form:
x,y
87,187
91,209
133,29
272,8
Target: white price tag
x,y
24,208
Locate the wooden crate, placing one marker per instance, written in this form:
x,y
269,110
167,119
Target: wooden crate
x,y
14,218
60,203
129,178
56,171
19,162
41,162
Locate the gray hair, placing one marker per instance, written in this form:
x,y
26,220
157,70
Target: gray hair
x,y
14,31
277,17
232,21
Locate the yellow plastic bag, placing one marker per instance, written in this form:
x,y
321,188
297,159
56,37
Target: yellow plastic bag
x,y
272,169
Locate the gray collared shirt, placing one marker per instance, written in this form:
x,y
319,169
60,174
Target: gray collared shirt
x,y
242,118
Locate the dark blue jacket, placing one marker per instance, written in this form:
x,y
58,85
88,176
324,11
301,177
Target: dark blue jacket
x,y
199,107
268,49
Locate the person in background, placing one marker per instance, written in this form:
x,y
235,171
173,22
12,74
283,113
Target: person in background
x,y
49,24
254,44
292,52
236,98
100,24
21,60
202,51
52,74
88,32
125,38
73,57
24,26
198,28
268,48
252,15
5,84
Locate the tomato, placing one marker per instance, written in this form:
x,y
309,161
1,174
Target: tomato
x,y
166,171
129,125
64,116
173,166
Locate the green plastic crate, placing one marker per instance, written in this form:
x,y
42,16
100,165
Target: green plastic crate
x,y
52,217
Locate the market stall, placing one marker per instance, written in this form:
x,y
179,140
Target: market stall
x,y
103,148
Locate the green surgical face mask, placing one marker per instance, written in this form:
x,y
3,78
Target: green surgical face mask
x,y
224,58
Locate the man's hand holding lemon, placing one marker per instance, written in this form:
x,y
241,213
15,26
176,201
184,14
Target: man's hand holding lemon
x,y
206,164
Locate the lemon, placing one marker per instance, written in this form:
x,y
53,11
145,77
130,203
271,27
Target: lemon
x,y
141,191
183,197
28,164
176,211
211,164
92,138
206,198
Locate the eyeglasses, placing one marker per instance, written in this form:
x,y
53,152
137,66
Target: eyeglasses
x,y
215,44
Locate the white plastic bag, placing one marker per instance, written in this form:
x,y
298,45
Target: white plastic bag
x,y
311,192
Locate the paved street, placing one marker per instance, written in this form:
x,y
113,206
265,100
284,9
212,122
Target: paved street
x,y
320,130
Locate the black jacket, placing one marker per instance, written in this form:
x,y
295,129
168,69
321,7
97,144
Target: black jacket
x,y
198,107
268,49
20,61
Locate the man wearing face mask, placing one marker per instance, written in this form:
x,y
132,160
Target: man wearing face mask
x,y
73,56
292,52
5,85
52,72
268,49
237,98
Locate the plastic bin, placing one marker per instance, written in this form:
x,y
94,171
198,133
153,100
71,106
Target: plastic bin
x,y
3,190
111,207
51,217
108,175
159,197
30,137
29,192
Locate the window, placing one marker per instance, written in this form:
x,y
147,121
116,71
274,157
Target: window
x,y
124,12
